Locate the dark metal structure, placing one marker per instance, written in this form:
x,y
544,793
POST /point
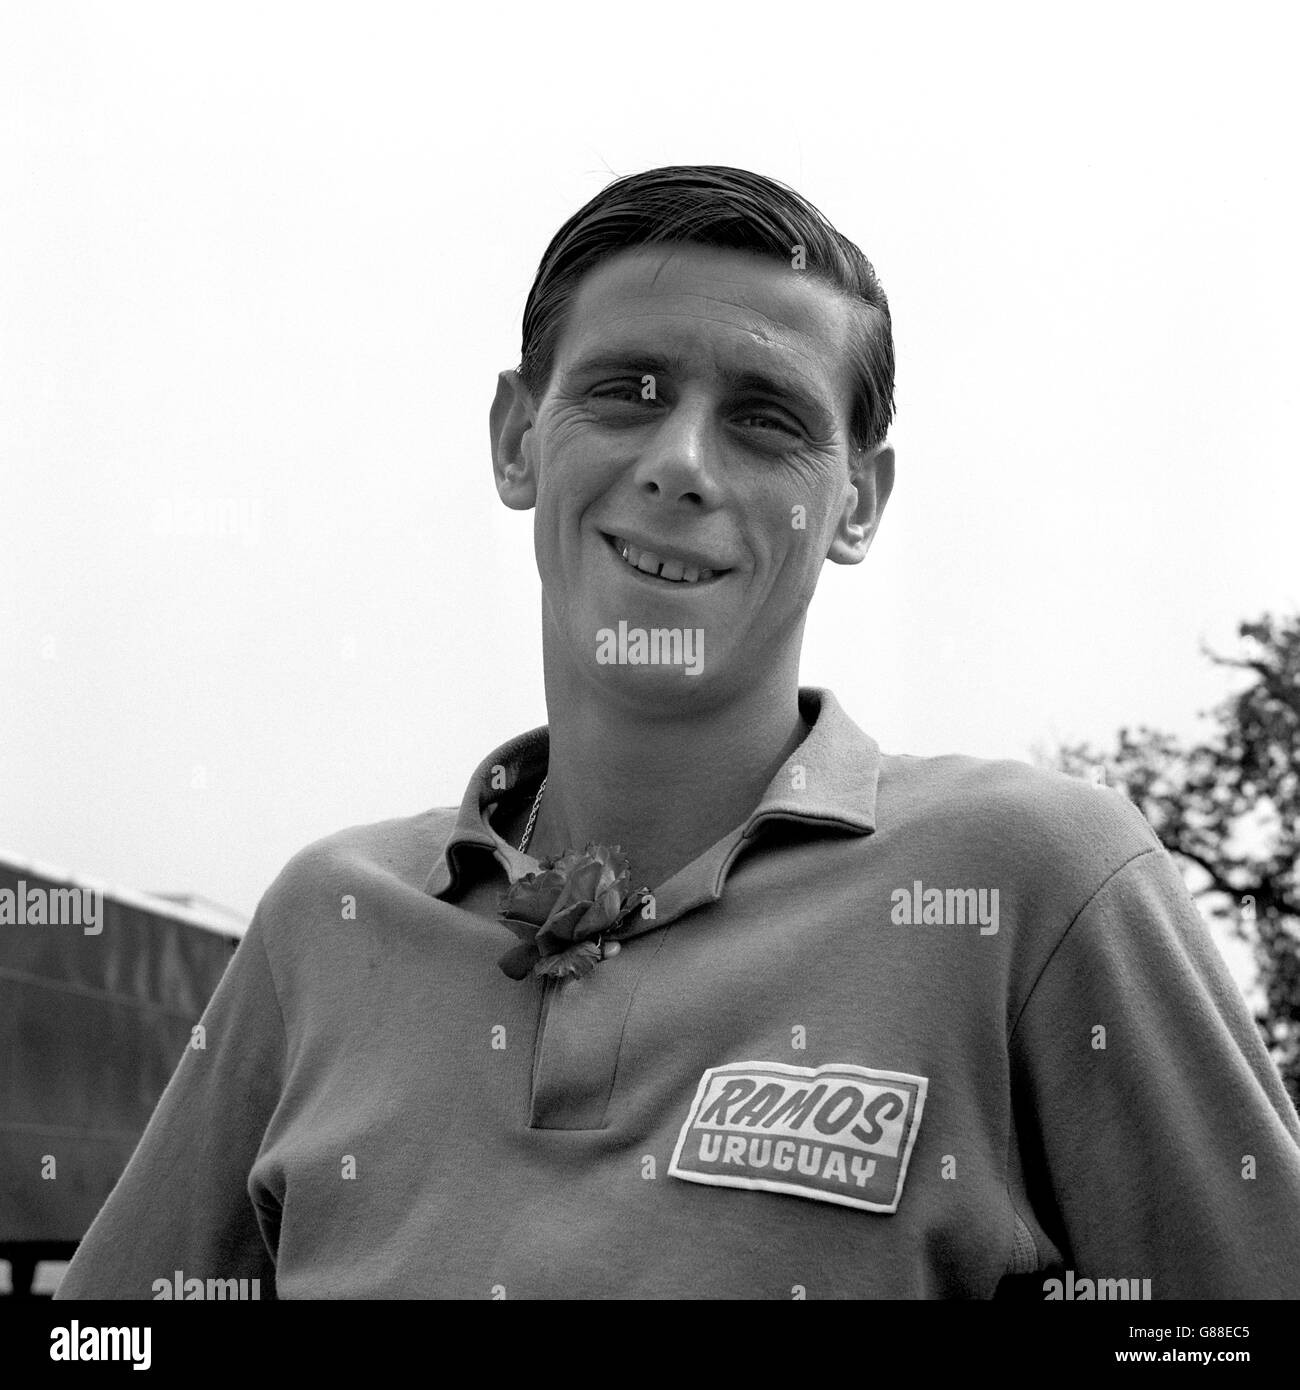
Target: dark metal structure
x,y
95,1009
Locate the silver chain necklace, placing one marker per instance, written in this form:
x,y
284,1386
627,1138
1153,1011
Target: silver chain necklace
x,y
532,817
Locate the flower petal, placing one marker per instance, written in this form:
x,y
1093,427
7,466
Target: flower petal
x,y
577,962
534,896
569,860
519,960
635,902
525,931
599,916
583,882
558,931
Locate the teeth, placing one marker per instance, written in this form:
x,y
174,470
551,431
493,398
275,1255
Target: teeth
x,y
674,571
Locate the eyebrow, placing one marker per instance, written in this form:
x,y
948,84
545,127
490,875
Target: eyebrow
x,y
802,397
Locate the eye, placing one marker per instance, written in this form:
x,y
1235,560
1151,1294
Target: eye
x,y
620,391
770,420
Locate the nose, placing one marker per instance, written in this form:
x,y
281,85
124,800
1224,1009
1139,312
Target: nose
x,y
679,464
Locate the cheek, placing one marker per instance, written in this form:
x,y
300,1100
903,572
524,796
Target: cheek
x,y
794,526
571,481
571,467
559,475
813,512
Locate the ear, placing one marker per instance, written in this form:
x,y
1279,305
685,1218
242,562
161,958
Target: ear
x,y
871,475
514,452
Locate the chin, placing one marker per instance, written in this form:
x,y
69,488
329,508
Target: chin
x,y
664,687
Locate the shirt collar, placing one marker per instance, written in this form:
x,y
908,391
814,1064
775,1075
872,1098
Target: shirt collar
x,y
830,779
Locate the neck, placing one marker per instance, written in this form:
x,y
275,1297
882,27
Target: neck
x,y
665,783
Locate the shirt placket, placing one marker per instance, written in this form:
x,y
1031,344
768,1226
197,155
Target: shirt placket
x,y
579,1031
582,1022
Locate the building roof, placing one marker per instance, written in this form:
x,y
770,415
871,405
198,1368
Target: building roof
x,y
192,908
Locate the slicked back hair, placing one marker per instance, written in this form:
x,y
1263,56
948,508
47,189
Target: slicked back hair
x,y
733,210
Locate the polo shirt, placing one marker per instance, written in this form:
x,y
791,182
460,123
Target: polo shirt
x,y
805,1077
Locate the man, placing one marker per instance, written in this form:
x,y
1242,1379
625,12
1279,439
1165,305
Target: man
x,y
878,1026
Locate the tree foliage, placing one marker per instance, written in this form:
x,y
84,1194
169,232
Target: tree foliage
x,y
1229,808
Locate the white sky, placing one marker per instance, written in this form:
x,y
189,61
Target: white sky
x,y
273,257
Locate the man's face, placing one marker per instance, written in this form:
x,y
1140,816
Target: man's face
x,y
695,423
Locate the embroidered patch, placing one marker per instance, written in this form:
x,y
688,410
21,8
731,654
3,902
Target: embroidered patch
x,y
837,1133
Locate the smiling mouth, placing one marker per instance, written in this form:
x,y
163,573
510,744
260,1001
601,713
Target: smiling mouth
x,y
656,567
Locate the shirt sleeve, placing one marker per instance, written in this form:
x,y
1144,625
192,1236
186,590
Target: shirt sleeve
x,y
184,1202
1167,1147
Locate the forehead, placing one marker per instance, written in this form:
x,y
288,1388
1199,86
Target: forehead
x,y
711,308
